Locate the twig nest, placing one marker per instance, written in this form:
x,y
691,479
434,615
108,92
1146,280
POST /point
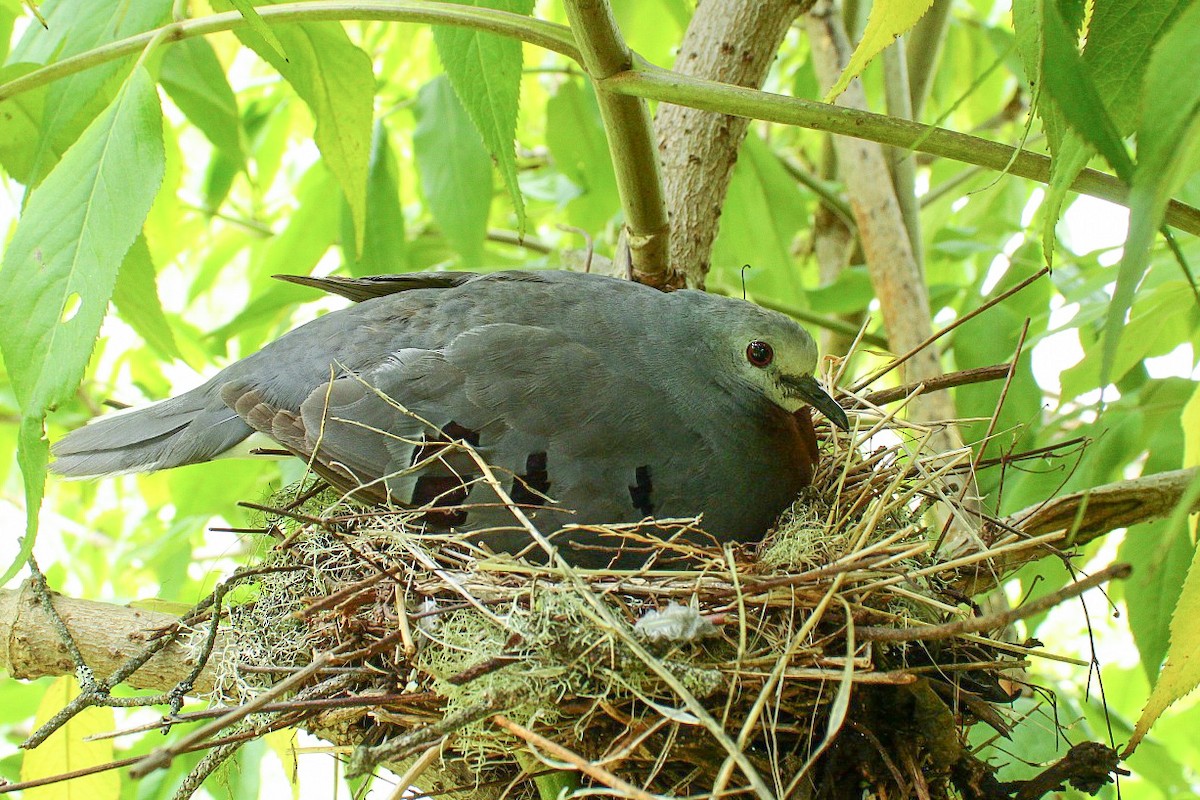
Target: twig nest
x,y
674,682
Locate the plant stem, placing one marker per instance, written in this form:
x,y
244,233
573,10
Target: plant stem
x,y
630,134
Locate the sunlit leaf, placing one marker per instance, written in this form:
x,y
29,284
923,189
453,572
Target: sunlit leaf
x,y
247,10
195,80
61,265
383,250
335,79
888,20
456,173
485,70
1168,154
136,297
67,751
74,27
1181,671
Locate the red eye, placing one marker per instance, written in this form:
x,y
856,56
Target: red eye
x,y
759,353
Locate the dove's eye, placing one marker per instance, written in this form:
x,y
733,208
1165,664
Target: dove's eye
x,y
759,354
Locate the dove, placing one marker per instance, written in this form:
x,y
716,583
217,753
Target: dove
x,y
595,400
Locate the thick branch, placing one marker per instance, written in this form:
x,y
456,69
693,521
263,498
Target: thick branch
x,y
734,42
106,634
1112,506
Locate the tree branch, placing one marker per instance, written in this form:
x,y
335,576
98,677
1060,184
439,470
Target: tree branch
x,y
671,87
895,273
1111,506
734,42
106,635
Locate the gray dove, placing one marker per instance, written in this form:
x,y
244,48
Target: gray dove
x,y
596,401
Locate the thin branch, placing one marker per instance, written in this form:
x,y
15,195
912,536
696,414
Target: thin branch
x,y
574,760
998,621
670,87
947,381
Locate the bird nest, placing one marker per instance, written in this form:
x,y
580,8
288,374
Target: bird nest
x,y
842,652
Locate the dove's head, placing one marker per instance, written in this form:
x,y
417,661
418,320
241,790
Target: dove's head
x,y
771,353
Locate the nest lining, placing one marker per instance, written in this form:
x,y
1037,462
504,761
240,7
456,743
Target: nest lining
x,y
759,641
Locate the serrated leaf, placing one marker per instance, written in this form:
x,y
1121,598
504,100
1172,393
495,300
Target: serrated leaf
x,y
336,81
76,229
1181,672
888,20
1168,154
72,102
1160,557
485,70
194,79
136,297
1072,156
1067,80
455,171
250,14
383,249
1119,42
60,267
66,750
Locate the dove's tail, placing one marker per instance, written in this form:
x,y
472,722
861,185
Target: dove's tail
x,y
192,427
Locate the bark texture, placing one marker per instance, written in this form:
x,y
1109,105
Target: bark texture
x,y
731,41
107,635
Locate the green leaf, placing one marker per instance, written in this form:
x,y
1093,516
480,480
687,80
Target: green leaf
x,y
1181,673
455,171
763,213
20,125
10,11
311,230
67,749
250,14
485,70
335,79
1168,154
1119,43
887,21
1159,555
61,264
72,102
194,79
1072,156
136,297
383,249
575,137
60,267
1069,82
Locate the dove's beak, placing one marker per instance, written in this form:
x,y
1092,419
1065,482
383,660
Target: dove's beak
x,y
808,390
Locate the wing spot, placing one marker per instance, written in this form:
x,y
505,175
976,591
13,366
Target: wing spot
x,y
443,494
641,493
532,487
